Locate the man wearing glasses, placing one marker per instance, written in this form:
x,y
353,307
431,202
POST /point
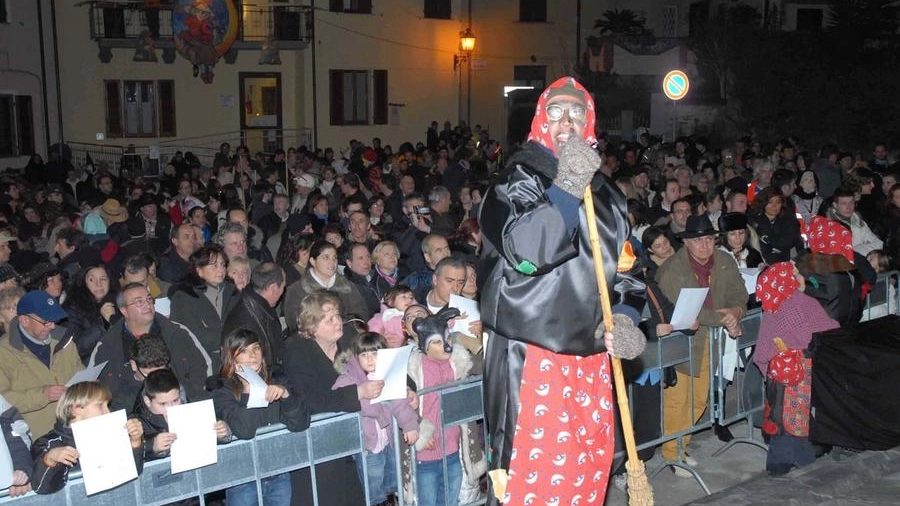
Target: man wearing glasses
x,y
190,362
37,358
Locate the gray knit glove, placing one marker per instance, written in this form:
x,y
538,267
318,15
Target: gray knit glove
x,y
628,341
578,162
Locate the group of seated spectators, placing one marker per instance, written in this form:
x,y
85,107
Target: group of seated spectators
x,y
301,266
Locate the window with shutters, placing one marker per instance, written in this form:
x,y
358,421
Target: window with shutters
x,y
437,9
533,11
351,6
16,125
140,108
358,97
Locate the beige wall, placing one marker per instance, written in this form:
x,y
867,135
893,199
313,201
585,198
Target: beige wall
x,y
20,70
416,52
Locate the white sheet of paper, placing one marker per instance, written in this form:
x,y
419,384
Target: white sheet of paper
x,y
750,276
687,307
729,360
467,307
163,306
390,365
104,452
258,388
87,374
194,424
6,465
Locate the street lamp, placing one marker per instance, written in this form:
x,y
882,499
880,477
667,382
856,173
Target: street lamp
x,y
466,46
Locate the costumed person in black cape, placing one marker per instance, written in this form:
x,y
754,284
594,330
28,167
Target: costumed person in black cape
x,y
547,381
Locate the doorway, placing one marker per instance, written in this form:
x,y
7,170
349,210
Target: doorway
x,y
261,111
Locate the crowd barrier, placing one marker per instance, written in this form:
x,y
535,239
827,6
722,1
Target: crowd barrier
x,y
273,451
330,437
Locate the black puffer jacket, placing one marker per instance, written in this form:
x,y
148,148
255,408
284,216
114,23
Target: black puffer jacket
x,y
191,308
252,312
47,480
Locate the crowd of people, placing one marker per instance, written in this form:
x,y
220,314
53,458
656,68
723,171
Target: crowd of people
x,y
303,264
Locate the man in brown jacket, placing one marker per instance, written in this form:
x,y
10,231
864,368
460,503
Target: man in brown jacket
x,y
698,265
37,358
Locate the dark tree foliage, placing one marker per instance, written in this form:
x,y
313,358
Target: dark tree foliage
x,y
838,84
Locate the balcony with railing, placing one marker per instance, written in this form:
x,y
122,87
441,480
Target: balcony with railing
x,y
124,24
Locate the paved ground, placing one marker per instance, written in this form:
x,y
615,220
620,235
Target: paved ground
x,y
740,463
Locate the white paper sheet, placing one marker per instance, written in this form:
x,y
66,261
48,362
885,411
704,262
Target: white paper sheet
x,y
258,388
194,424
87,374
469,310
6,465
729,360
163,306
390,365
750,275
105,452
687,307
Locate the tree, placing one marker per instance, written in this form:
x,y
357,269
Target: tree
x,y
620,22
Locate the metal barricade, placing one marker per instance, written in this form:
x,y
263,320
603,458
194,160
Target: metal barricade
x,y
273,451
745,380
460,402
882,299
670,351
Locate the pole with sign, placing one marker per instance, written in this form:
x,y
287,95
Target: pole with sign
x,y
675,86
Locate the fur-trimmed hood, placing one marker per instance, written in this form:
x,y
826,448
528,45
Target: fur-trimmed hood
x,y
342,286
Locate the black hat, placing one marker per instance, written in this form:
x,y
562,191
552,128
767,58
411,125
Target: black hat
x,y
54,188
136,228
697,226
147,199
732,221
7,272
737,184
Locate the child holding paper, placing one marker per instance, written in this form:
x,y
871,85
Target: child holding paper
x,y
437,362
389,322
357,366
241,352
161,390
54,453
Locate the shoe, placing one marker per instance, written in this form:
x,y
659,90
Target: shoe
x,y
681,472
620,481
723,433
691,461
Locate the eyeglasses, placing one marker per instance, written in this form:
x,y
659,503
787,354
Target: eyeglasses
x,y
38,320
555,112
148,301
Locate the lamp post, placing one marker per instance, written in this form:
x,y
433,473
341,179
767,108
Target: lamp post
x,y
466,46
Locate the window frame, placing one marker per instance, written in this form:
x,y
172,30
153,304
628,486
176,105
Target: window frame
x,y
164,114
20,125
437,9
534,8
375,96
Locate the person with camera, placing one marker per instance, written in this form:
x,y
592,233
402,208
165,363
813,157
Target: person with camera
x,y
409,231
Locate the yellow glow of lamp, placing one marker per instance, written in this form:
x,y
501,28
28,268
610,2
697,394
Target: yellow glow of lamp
x,y
467,41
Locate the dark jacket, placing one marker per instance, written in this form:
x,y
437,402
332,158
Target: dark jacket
x,y
153,426
192,308
75,261
47,480
310,374
525,236
171,267
190,363
86,325
373,303
352,302
17,436
291,411
777,237
252,312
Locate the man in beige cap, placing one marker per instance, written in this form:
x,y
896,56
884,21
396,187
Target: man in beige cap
x,y
112,212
